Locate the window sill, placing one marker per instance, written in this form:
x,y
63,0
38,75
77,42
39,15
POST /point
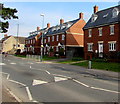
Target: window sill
x,y
112,34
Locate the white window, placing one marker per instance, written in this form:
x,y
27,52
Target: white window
x,y
48,39
94,17
112,46
90,46
44,40
57,37
111,29
90,33
115,12
56,48
63,37
100,31
52,38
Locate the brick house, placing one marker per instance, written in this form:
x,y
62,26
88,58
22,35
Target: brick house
x,y
32,42
66,37
102,33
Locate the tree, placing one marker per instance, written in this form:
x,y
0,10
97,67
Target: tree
x,y
5,15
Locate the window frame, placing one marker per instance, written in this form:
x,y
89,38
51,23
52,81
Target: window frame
x,y
89,47
90,33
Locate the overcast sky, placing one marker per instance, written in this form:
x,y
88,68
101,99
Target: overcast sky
x,y
29,14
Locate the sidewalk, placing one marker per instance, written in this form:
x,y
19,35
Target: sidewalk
x,y
94,72
7,97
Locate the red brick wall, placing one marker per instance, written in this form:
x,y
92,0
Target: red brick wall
x,y
77,37
105,38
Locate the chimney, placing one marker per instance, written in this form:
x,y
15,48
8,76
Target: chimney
x,y
48,25
5,35
81,15
38,28
61,21
95,9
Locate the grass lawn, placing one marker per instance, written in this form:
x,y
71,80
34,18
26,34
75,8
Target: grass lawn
x,y
45,58
101,65
69,61
23,56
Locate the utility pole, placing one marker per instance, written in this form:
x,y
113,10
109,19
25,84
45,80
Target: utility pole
x,y
17,36
42,38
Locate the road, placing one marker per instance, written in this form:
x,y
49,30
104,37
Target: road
x,y
40,82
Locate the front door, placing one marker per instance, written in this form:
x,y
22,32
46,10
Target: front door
x,y
100,49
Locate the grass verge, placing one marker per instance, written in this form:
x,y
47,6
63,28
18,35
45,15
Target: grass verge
x,y
101,65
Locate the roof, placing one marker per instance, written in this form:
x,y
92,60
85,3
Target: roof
x,y
35,33
53,30
60,28
21,40
104,17
5,38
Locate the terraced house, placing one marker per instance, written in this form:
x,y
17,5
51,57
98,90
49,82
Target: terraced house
x,y
32,42
102,33
65,39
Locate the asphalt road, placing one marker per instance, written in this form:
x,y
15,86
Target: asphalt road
x,y
32,81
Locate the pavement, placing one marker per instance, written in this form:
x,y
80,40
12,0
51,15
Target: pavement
x,y
47,81
95,72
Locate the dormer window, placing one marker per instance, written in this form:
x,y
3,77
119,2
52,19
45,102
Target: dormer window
x,y
115,12
94,17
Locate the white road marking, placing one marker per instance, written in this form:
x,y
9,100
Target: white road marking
x,y
80,83
30,67
37,82
2,64
104,89
57,79
13,63
14,95
47,72
17,82
61,75
8,76
29,94
8,60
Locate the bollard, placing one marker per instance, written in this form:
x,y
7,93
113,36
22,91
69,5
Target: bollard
x,y
89,64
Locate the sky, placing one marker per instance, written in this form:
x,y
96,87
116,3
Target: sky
x,y
29,14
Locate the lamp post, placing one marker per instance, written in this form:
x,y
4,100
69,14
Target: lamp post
x,y
17,36
42,15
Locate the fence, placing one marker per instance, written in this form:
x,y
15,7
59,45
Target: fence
x,y
34,57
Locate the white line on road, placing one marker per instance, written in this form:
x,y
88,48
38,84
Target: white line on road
x,y
104,89
14,95
17,82
47,72
2,64
61,75
13,63
29,94
8,60
81,83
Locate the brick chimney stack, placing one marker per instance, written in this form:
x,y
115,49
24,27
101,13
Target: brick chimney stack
x,y
61,21
95,9
5,35
48,25
81,15
38,28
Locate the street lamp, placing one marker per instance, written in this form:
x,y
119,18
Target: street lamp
x,y
42,15
17,36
